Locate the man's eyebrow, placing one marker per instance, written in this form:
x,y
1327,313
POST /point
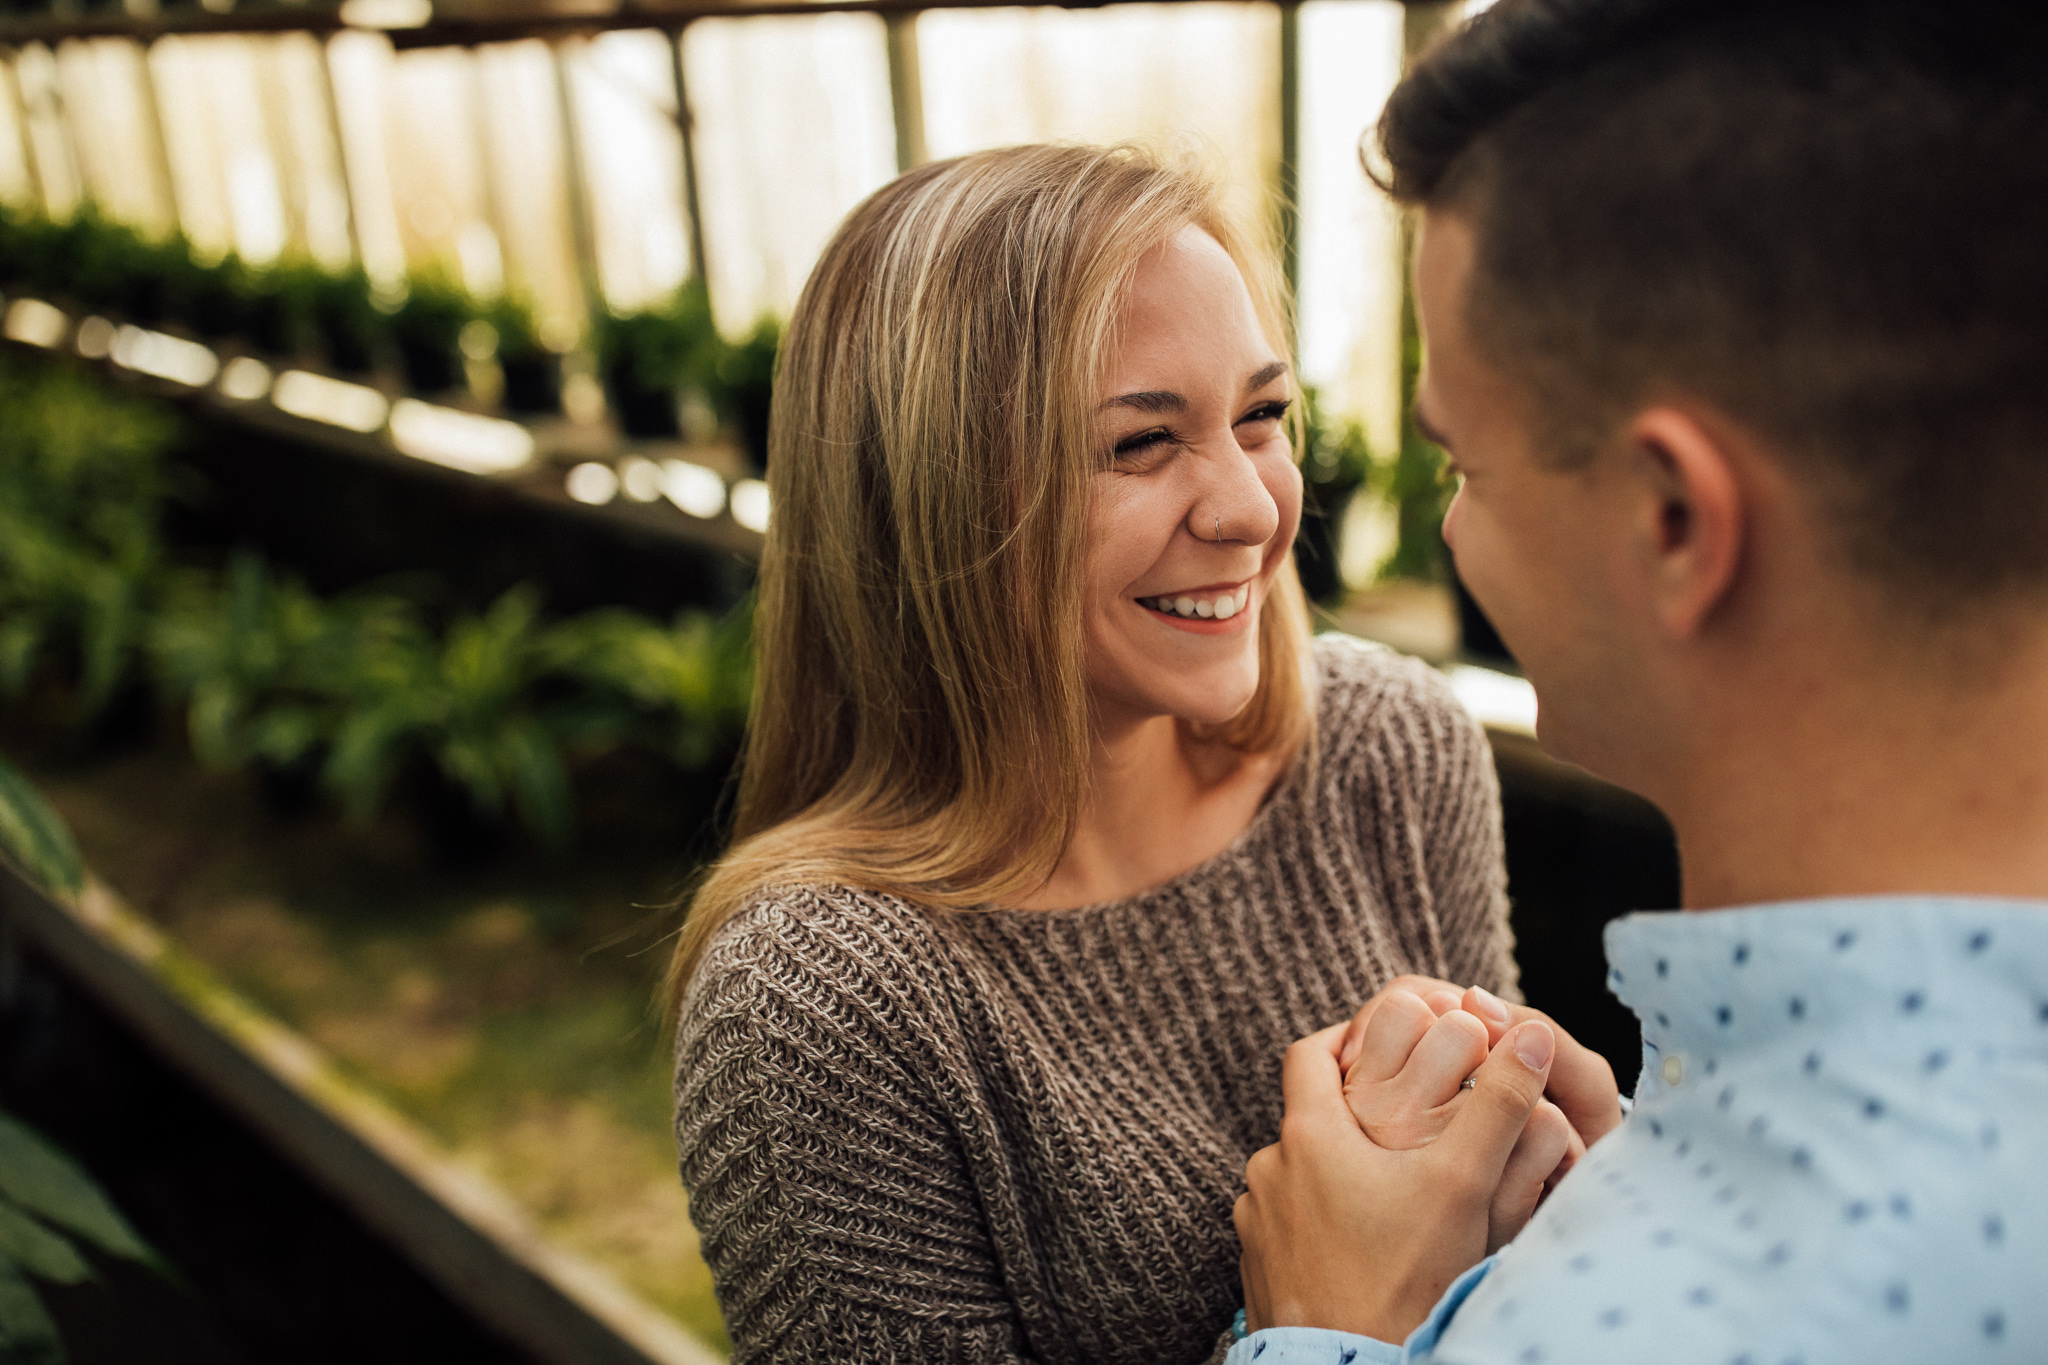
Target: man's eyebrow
x,y
1429,429
1150,400
1266,376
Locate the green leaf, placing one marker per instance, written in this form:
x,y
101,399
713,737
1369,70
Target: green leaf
x,y
366,752
33,837
35,1175
540,783
39,1251
21,641
27,1334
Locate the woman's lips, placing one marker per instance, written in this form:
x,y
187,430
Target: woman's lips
x,y
1205,611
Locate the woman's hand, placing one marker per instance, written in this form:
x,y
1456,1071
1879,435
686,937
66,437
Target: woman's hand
x,y
1404,1083
1581,1082
1341,1232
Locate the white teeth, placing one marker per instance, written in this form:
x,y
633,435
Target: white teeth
x,y
1220,608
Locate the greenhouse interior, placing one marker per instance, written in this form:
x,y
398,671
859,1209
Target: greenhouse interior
x,y
383,430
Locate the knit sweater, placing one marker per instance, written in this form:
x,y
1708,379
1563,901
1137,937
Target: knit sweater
x,y
1009,1135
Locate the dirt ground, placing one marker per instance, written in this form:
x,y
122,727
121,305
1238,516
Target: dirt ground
x,y
500,1001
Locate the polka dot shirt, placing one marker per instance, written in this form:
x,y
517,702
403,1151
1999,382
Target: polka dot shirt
x,y
1838,1153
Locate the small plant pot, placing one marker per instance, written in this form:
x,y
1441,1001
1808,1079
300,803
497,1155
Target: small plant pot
x,y
533,383
651,414
429,367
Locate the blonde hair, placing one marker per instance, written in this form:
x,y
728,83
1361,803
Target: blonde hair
x,y
920,722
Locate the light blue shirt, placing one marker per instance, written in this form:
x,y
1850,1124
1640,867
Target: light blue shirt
x,y
1838,1153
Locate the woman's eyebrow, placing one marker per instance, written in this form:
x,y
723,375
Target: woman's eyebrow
x,y
1266,376
1150,400
1166,400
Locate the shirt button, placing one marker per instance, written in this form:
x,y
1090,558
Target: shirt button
x,y
1674,1070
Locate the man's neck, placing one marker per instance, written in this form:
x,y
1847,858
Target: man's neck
x,y
1930,782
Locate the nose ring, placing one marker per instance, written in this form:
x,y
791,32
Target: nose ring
x,y
1219,530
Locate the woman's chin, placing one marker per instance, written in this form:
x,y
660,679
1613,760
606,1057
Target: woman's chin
x,y
1212,706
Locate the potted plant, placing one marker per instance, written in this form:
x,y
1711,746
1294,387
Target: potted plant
x,y
347,321
283,303
680,690
647,358
1336,462
81,488
533,371
746,380
244,654
460,714
427,329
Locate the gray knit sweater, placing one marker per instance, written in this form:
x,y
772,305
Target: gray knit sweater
x,y
1017,1135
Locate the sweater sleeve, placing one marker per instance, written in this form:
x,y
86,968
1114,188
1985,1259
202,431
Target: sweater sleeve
x,y
830,1192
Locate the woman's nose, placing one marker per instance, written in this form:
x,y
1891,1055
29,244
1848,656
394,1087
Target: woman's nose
x,y
1236,507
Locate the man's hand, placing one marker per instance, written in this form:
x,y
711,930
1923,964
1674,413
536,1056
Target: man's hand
x,y
1341,1232
1405,1084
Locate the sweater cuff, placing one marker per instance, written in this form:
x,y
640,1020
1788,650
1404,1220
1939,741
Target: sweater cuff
x,y
1321,1346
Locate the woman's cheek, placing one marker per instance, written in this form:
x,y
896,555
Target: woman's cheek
x,y
1284,486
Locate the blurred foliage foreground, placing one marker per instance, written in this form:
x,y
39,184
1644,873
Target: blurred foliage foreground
x,y
48,1204
502,1004
337,695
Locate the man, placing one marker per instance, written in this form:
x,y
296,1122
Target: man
x,y
1736,316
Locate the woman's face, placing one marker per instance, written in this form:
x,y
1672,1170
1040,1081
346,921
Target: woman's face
x,y
1195,511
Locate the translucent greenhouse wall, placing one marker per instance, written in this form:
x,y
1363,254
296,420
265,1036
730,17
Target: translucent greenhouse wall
x,y
557,170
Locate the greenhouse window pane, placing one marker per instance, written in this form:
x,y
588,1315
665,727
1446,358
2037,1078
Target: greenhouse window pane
x,y
793,129
1204,77
432,155
113,127
298,97
225,160
17,177
632,153
1350,309
360,67
49,143
522,137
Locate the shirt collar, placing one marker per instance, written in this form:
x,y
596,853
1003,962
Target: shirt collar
x,y
1729,981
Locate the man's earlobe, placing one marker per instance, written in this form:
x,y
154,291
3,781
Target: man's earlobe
x,y
1697,517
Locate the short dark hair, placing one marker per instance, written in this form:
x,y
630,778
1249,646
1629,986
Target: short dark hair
x,y
1828,218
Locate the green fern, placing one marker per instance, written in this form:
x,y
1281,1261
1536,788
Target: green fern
x,y
34,839
48,1205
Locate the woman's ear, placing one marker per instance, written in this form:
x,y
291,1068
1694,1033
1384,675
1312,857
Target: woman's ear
x,y
1694,517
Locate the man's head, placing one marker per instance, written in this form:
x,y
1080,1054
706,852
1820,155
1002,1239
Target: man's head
x,y
1804,236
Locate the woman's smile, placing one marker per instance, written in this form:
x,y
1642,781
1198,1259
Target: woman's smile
x,y
1214,609
1198,481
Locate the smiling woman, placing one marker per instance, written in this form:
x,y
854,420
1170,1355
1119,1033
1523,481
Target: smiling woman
x,y
1053,828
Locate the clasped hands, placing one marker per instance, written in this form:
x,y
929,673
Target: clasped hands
x,y
1390,1179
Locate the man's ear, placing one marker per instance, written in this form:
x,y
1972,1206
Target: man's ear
x,y
1694,516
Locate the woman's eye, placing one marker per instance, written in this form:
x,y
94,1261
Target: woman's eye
x,y
1143,443
1267,412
